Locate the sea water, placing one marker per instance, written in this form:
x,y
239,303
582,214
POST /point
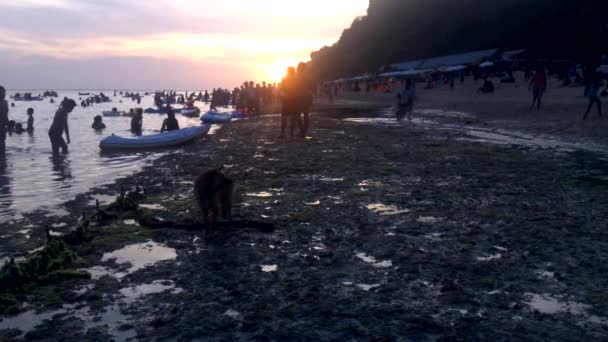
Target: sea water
x,y
32,178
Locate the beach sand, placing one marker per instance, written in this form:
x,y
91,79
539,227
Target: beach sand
x,y
383,231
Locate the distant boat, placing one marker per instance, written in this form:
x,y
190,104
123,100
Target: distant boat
x,y
33,98
193,112
84,94
212,117
162,140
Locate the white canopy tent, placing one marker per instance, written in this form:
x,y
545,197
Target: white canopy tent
x,y
405,73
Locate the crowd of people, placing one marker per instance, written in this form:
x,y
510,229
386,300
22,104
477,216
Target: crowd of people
x,y
95,99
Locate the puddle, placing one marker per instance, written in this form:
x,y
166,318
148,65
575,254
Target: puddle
x,y
157,286
269,268
59,225
331,180
130,222
103,199
372,261
428,220
54,233
98,272
386,210
152,206
260,194
367,287
26,233
140,256
547,304
490,258
28,320
232,314
313,203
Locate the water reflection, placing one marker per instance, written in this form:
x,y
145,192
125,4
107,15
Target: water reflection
x,y
5,186
61,168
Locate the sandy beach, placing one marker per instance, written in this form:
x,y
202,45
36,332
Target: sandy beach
x,y
376,231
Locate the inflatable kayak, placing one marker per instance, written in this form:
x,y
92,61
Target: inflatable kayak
x,y
112,114
162,140
155,111
191,112
220,118
33,98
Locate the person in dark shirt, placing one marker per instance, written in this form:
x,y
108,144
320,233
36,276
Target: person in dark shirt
x,y
60,125
170,123
3,120
137,121
30,120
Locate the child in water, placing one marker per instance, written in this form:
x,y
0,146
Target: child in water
x,y
98,124
30,120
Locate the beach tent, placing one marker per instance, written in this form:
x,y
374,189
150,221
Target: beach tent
x,y
512,55
404,73
486,65
452,68
469,58
603,69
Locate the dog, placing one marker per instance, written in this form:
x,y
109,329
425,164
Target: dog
x,y
213,192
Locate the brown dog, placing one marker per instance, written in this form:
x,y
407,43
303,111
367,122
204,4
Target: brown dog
x,y
213,192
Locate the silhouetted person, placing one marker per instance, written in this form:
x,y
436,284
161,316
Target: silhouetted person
x,y
290,105
487,87
305,98
593,95
3,121
406,100
137,121
170,123
60,125
98,124
538,85
30,120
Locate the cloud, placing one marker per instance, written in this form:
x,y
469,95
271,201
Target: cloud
x,y
254,37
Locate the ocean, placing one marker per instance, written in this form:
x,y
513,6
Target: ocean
x,y
32,178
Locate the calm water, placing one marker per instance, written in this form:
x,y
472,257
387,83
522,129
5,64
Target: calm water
x,y
31,178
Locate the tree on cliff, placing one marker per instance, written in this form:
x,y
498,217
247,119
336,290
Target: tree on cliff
x,y
401,30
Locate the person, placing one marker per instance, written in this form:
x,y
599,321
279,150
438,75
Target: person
x,y
538,85
487,87
3,120
592,94
305,97
170,123
289,103
406,100
30,120
137,121
19,128
98,124
60,125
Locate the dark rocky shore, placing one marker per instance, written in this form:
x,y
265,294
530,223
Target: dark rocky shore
x,y
376,232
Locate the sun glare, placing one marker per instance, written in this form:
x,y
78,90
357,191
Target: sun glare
x,y
275,72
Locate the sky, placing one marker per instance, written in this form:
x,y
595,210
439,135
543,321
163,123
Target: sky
x,y
162,44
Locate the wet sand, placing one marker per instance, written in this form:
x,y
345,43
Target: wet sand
x,y
383,231
509,107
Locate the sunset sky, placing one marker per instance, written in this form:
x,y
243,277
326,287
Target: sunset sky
x,y
154,44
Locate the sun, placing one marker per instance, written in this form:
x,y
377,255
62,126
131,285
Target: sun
x,y
274,72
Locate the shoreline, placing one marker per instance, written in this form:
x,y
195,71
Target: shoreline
x,y
462,237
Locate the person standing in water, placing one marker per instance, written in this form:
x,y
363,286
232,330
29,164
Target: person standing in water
x,y
593,95
538,85
170,123
3,121
137,121
60,125
30,120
